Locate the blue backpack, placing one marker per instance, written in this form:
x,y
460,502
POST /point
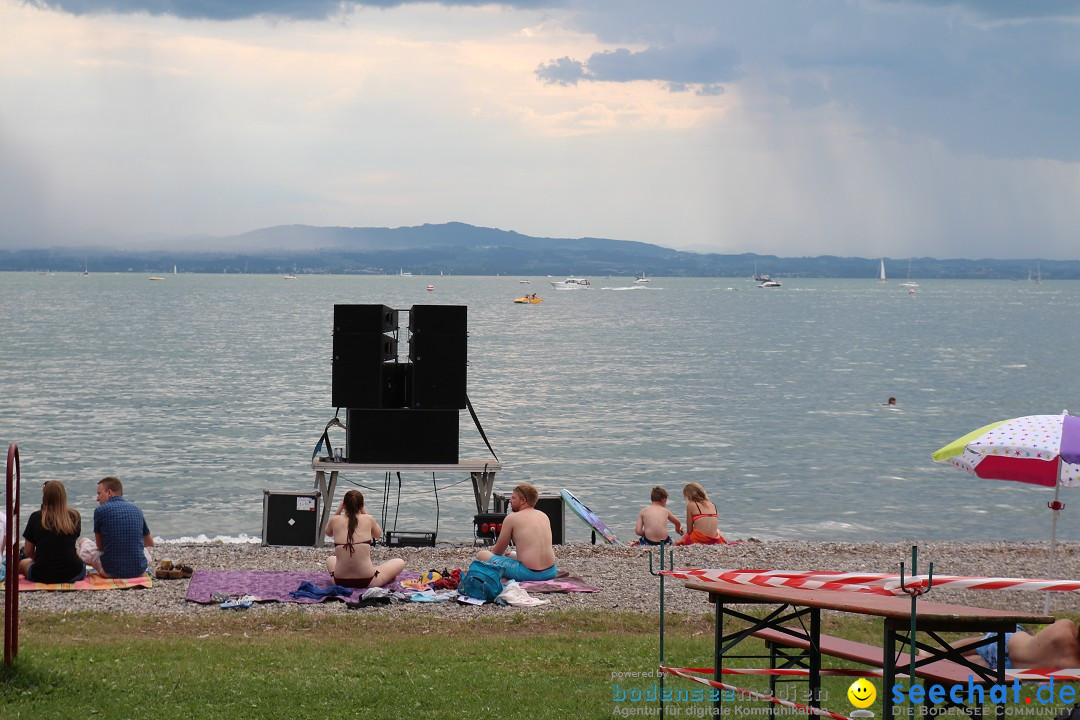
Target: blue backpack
x,y
483,581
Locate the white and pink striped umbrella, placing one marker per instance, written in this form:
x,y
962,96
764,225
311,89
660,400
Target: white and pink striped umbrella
x,y
1037,449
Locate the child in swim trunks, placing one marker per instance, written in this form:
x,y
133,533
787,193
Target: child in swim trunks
x,y
652,520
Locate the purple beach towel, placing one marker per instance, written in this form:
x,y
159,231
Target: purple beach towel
x,y
267,586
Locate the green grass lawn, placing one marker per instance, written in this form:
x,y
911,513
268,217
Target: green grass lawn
x,y
239,666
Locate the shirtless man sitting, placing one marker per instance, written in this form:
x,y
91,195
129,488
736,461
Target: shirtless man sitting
x,y
530,531
1055,646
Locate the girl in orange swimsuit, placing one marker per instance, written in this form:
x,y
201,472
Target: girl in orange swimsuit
x,y
702,525
353,531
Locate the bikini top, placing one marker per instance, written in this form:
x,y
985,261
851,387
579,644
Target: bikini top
x,y
350,545
693,518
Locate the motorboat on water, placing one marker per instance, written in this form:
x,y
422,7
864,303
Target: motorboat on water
x,y
523,282
641,279
770,283
571,283
529,300
290,277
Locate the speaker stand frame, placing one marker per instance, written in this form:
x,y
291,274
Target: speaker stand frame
x,y
482,473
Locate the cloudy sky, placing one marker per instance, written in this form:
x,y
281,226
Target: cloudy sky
x,y
849,127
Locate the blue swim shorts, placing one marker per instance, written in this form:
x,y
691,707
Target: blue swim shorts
x,y
989,652
642,540
514,570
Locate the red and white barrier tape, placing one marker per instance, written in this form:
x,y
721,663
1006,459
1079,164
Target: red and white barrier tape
x,y
1034,674
878,584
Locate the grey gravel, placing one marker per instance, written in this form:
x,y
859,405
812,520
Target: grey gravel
x,y
621,573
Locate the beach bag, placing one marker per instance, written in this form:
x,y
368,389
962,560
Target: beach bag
x,y
482,582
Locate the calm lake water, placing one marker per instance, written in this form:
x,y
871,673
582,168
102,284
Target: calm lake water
x,y
202,391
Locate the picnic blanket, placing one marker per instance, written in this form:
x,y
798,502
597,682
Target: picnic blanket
x,y
267,586
93,581
278,586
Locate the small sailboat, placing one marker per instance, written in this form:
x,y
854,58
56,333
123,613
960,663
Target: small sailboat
x,y
174,269
1038,274
908,283
881,273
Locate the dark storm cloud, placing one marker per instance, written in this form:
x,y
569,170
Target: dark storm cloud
x,y
701,66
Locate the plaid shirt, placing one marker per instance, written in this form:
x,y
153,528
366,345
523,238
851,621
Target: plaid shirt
x,y
122,527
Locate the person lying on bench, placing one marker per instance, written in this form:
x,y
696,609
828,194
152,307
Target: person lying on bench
x,y
1055,646
530,531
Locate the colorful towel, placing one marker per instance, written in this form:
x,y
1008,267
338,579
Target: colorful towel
x,y
93,581
696,537
275,586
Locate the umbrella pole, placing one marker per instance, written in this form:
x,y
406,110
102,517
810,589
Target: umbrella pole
x,y
1056,508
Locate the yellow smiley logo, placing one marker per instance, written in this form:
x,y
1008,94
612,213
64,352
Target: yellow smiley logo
x,y
862,693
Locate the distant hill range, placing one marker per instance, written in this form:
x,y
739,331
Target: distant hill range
x,y
460,249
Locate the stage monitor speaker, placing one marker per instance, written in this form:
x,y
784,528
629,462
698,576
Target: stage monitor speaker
x,y
401,436
438,385
375,319
444,319
291,518
368,347
369,384
550,505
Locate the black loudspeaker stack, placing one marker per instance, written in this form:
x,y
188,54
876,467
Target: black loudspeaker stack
x,y
400,412
366,373
438,351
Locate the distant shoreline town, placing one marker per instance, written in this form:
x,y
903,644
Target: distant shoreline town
x,y
460,249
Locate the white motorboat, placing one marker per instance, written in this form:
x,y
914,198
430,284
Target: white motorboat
x,y
641,279
770,284
571,283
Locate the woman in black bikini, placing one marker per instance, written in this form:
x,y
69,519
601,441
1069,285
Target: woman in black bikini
x,y
353,531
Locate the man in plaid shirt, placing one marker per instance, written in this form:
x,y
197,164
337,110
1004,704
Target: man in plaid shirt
x,y
122,542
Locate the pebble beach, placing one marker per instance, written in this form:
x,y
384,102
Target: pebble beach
x,y
621,573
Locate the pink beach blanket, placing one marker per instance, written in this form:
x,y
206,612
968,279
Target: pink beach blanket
x,y
564,582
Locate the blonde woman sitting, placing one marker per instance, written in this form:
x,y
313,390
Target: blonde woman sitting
x,y
702,525
50,537
353,531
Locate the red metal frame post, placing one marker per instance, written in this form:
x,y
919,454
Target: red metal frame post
x,y
10,548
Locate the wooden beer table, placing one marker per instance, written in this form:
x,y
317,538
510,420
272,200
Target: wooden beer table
x,y
797,605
